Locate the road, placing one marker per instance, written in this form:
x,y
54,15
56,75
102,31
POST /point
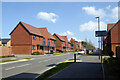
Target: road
x,y
32,68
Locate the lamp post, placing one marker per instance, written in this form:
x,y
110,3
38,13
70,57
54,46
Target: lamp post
x,y
98,37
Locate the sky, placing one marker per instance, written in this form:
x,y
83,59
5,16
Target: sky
x,y
74,19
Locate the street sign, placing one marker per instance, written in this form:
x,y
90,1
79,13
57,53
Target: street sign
x,y
99,41
100,33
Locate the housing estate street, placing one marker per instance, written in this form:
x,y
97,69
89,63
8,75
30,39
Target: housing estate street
x,y
32,68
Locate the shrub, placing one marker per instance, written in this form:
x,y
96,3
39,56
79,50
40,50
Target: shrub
x,y
37,53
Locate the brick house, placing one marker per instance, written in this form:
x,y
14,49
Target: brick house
x,y
112,40
62,42
73,44
26,39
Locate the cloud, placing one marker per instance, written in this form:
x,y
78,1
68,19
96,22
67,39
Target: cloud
x,y
92,26
77,39
108,7
47,16
68,33
93,11
114,13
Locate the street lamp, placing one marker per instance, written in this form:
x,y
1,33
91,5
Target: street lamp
x,y
98,30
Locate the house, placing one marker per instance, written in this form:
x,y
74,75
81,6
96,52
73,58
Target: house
x,y
62,43
80,46
26,39
5,42
112,40
73,44
5,47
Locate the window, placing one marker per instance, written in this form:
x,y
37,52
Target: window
x,y
39,38
34,37
48,41
54,42
33,47
62,42
43,41
71,42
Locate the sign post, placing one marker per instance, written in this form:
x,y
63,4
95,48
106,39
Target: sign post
x,y
101,34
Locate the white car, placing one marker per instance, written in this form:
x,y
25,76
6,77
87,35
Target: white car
x,y
81,52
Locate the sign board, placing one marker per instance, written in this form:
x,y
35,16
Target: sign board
x,y
99,41
100,33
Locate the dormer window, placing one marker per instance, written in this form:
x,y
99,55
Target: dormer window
x,y
34,37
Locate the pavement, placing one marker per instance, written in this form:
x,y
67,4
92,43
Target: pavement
x,y
88,69
31,69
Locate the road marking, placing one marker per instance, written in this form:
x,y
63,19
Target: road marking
x,y
17,66
23,65
10,68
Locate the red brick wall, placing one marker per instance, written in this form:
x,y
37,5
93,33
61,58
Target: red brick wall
x,y
20,36
114,34
22,49
4,51
58,43
21,41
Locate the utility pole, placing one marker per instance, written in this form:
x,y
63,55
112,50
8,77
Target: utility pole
x,y
98,37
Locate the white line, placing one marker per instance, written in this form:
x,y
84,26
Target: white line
x,y
23,65
9,68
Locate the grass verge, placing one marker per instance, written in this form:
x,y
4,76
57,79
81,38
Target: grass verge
x,y
84,55
7,56
54,70
111,68
73,59
6,61
27,58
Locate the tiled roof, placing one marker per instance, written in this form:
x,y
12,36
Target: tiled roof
x,y
51,36
38,31
109,26
60,37
4,41
32,29
65,38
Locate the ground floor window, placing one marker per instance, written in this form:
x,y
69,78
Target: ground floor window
x,y
33,47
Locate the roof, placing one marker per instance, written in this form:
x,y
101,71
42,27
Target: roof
x,y
109,26
32,29
60,37
36,31
4,41
115,24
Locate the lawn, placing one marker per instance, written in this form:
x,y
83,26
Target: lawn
x,y
54,70
6,61
112,68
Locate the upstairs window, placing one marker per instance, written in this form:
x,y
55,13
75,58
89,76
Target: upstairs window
x,y
62,42
39,38
34,37
43,41
48,41
54,42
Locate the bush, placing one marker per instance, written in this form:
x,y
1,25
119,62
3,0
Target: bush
x,y
37,53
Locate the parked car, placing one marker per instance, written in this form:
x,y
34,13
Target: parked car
x,y
81,52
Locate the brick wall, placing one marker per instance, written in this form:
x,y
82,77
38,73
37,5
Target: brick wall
x,y
4,51
118,51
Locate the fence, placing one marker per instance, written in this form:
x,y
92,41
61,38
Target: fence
x,y
4,51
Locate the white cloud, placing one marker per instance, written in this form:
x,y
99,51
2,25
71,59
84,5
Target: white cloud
x,y
77,39
114,13
92,26
94,11
47,16
108,7
68,33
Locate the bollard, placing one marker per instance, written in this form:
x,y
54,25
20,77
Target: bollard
x,y
74,57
